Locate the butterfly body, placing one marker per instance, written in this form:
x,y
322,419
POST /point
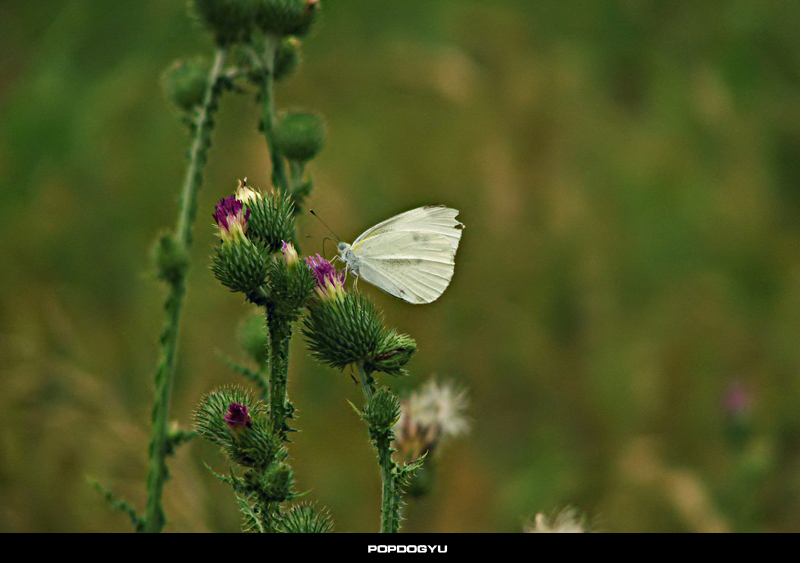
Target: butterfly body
x,y
410,256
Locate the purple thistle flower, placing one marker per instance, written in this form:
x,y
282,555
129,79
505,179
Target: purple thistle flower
x,y
329,281
238,417
231,218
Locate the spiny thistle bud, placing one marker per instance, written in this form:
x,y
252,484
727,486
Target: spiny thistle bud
x,y
285,17
383,409
254,337
245,195
287,57
238,417
344,330
290,257
272,220
185,82
276,483
292,284
230,21
223,415
394,352
241,266
328,282
306,519
231,218
300,136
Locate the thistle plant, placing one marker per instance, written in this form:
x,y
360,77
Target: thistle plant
x,y
257,45
344,329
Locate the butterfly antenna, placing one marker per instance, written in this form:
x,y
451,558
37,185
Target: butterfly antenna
x,y
324,223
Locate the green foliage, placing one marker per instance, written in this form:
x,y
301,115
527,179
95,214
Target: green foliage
x,y
185,82
254,377
271,220
343,331
241,266
121,505
306,519
299,136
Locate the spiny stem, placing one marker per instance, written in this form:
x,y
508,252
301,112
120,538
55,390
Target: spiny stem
x,y
280,333
267,96
159,446
381,437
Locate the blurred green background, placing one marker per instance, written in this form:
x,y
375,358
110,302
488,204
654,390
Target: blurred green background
x,y
628,173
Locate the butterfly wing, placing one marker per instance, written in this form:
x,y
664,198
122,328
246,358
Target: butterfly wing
x,y
431,219
411,255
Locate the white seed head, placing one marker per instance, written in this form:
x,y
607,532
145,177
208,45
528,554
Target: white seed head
x,y
568,521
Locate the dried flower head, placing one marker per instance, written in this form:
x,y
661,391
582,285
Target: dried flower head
x,y
246,195
289,253
329,282
430,416
568,521
238,417
231,218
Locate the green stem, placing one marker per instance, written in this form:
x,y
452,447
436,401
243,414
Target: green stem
x,y
280,333
381,437
201,139
267,95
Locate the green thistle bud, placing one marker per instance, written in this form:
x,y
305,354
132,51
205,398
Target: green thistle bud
x,y
343,331
170,258
287,58
230,21
254,337
394,352
185,82
291,285
285,17
383,409
300,136
234,420
272,220
276,483
306,519
241,266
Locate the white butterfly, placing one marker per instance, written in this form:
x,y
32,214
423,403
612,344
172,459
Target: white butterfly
x,y
410,256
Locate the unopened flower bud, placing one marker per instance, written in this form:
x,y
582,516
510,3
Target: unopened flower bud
x,y
300,136
185,82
